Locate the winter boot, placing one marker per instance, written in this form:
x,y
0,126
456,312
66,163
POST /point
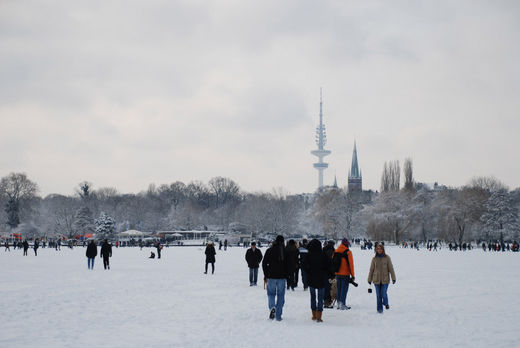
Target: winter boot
x,y
318,317
314,316
272,313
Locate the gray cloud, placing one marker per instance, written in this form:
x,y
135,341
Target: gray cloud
x,y
125,93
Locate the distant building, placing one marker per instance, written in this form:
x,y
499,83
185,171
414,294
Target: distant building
x,y
355,178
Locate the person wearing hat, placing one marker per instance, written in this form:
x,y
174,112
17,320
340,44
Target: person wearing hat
x,y
345,272
253,258
274,266
380,267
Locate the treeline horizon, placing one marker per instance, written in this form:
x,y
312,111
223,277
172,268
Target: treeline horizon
x,y
415,212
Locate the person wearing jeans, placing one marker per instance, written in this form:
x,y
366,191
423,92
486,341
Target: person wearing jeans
x,y
253,258
276,296
91,254
380,269
274,266
345,272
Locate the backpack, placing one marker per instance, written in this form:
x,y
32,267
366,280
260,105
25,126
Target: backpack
x,y
336,260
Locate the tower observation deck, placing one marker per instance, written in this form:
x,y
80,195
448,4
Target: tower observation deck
x,y
321,140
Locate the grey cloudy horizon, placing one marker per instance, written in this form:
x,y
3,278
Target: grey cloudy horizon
x,y
128,93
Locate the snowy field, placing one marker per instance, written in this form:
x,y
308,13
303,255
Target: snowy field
x,y
441,299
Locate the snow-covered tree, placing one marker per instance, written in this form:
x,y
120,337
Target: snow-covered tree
x,y
500,217
84,222
105,225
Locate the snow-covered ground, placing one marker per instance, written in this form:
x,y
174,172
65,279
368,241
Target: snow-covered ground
x,y
441,299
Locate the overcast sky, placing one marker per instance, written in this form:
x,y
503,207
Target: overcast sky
x,y
128,93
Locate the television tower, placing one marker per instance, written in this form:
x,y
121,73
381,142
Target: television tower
x,y
321,140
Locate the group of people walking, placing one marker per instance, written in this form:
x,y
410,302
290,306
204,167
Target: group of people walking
x,y
105,253
322,267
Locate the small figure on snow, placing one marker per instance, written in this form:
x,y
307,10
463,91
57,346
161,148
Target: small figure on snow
x,y
91,254
210,257
106,253
253,258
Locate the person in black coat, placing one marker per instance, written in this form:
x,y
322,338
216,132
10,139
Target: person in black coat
x,y
25,247
292,264
210,257
36,246
159,248
317,266
106,253
329,251
91,254
274,266
253,258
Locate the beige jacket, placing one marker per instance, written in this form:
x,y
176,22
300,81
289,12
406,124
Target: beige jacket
x,y
379,269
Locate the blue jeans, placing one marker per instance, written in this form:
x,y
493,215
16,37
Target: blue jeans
x,y
90,262
321,293
304,279
342,282
276,295
253,275
382,297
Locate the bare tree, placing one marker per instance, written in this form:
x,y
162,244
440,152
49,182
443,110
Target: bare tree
x,y
408,175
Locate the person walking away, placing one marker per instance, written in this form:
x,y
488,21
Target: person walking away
x,y
36,246
303,255
210,257
329,251
7,246
292,253
274,266
344,273
225,244
91,254
106,253
317,266
25,247
380,267
253,258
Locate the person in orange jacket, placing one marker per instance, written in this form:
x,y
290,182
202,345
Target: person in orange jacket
x,y
345,272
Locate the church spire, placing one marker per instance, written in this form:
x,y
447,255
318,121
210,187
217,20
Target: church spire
x,y
355,181
354,169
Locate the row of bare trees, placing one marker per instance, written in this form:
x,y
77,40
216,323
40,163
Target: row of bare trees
x,y
484,209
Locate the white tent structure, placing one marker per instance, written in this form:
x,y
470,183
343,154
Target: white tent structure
x,y
132,233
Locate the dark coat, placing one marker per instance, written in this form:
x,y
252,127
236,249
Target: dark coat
x,y
292,257
329,251
106,250
253,258
274,264
91,250
210,253
317,265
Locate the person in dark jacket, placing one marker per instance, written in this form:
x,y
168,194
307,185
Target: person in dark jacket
x,y
292,264
317,266
253,258
210,257
36,246
329,251
159,248
25,247
106,253
274,266
91,254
